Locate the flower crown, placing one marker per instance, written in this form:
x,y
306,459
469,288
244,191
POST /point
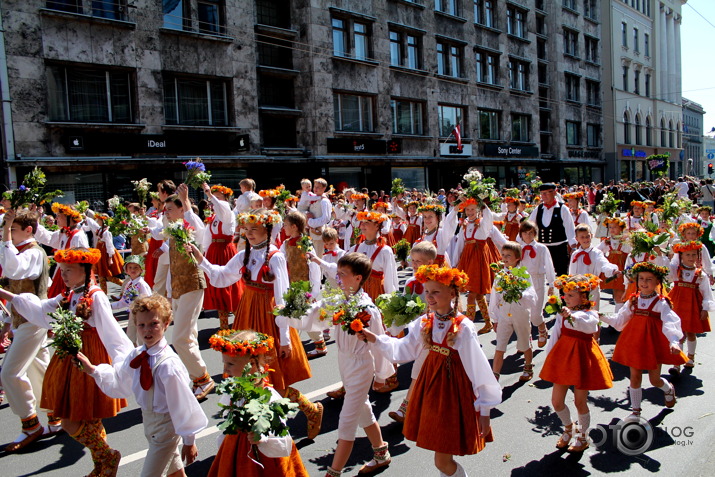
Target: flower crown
x,y
102,217
705,207
583,283
269,193
223,342
688,246
78,255
259,218
451,277
658,271
67,210
413,202
573,195
649,202
226,191
638,203
615,220
377,205
375,217
436,208
690,225
510,200
359,196
466,203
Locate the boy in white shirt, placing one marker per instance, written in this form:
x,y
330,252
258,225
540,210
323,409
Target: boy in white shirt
x,y
589,259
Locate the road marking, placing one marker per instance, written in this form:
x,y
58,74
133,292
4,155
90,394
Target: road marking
x,y
213,429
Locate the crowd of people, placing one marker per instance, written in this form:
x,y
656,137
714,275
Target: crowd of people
x,y
524,261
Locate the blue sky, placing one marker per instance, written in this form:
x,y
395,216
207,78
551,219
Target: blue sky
x,y
697,41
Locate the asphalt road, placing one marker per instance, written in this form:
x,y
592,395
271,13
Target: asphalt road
x,y
525,427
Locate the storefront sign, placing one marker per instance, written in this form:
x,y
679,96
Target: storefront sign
x,y
580,153
171,142
634,153
453,150
506,150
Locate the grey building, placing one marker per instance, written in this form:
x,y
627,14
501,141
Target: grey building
x,y
360,92
693,139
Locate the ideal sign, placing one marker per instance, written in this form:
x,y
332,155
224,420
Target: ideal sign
x,y
453,150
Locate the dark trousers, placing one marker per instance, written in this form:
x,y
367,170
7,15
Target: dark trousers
x,y
560,257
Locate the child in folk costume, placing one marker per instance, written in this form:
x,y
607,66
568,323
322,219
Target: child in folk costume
x,y
616,250
269,203
691,296
360,202
159,381
25,269
263,269
277,456
573,358
413,221
243,202
580,216
650,333
186,285
133,287
587,259
437,231
398,227
634,217
139,242
650,215
705,221
386,229
110,265
219,247
512,218
70,393
514,317
319,214
331,255
691,232
383,274
455,391
68,236
537,260
474,258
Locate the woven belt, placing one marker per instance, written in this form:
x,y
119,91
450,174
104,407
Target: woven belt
x,y
687,285
440,350
219,240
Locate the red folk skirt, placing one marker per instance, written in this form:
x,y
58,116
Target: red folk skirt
x,y
397,233
511,230
441,415
221,250
58,285
237,457
412,233
475,261
642,344
577,360
102,268
73,394
390,238
688,303
255,312
618,258
375,284
151,263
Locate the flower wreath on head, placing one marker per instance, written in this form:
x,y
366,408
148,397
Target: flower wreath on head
x,y
649,202
436,208
70,212
511,200
226,191
224,342
615,220
638,203
375,217
705,207
259,218
466,203
413,202
658,271
377,205
269,193
359,196
103,217
690,225
573,195
582,283
693,245
451,277
78,255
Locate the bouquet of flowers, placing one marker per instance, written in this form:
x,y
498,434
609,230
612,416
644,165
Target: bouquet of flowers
x,y
511,282
554,305
402,250
135,225
483,191
670,209
398,187
119,224
67,328
472,175
197,173
608,205
183,236
400,309
250,409
305,244
48,226
31,191
644,242
351,315
82,206
114,202
142,189
533,180
297,300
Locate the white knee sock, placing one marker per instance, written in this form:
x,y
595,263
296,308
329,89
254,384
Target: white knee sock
x,y
584,422
565,416
460,472
636,397
691,347
666,388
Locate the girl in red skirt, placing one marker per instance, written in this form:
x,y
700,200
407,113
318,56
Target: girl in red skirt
x,y
220,250
383,278
110,265
616,250
456,389
691,295
386,229
263,270
475,258
512,218
575,359
650,333
439,232
72,394
274,456
413,221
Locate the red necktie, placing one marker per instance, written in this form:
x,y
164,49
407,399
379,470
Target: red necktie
x,y
142,362
330,252
530,249
416,287
586,257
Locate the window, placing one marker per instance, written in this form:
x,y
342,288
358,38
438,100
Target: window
x,y
646,84
340,43
648,132
351,39
520,127
639,130
449,59
360,41
662,133
110,9
211,17
484,13
570,42
487,65
89,95
573,133
593,135
488,124
573,87
353,113
450,7
591,45
274,52
626,128
175,16
404,50
449,117
407,117
624,34
646,44
195,101
671,135
593,93
414,55
635,40
70,6
590,9
515,22
637,81
274,13
625,78
570,4
518,75
276,92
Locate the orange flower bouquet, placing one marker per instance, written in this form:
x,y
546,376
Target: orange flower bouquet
x,y
351,316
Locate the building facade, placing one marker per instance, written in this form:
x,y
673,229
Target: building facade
x,y
642,98
693,139
360,92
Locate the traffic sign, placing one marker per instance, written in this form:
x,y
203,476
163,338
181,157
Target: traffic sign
x,y
711,156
